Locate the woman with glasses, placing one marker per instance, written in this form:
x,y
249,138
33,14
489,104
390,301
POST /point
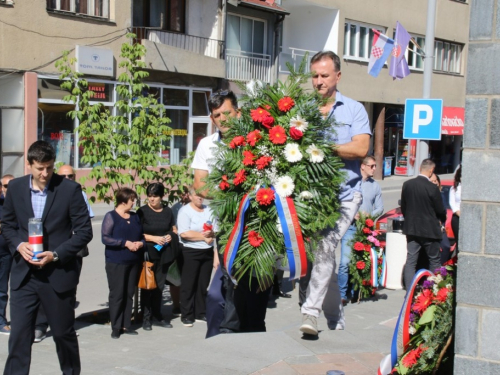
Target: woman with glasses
x,y
162,249
123,237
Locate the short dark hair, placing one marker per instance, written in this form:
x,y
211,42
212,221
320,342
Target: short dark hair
x,y
41,152
156,189
218,98
327,55
427,164
369,157
123,195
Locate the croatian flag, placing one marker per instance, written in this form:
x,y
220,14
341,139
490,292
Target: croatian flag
x,y
399,67
382,48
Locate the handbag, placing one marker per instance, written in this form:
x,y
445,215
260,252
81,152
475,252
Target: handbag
x,y
147,279
174,274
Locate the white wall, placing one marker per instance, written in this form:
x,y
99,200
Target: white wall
x,y
202,18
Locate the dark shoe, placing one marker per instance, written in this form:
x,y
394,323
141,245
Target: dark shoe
x,y
163,323
187,322
226,330
344,302
146,325
201,319
176,311
280,293
39,335
115,334
129,332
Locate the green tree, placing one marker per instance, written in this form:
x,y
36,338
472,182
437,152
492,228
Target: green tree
x,y
123,149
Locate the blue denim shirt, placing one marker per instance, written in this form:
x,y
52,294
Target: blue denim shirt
x,y
350,119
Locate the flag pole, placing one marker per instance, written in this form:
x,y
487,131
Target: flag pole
x,y
423,146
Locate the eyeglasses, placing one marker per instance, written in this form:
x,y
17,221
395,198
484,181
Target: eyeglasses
x,y
372,166
70,176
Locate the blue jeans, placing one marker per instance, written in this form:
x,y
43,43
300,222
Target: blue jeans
x,y
5,264
345,258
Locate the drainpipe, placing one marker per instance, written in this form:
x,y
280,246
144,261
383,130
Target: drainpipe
x,y
280,19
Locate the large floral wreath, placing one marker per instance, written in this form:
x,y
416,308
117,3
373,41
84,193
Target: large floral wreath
x,y
278,151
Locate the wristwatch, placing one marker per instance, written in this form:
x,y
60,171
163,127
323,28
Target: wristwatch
x,y
56,257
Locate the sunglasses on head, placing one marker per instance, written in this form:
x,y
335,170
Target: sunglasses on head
x,y
220,93
5,186
70,176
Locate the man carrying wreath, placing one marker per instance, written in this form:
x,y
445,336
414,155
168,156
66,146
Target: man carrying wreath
x,y
352,138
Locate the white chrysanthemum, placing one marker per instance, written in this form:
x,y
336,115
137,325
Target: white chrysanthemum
x,y
253,87
316,155
292,153
412,330
284,186
306,195
299,123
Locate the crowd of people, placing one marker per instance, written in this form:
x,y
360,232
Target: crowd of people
x,y
185,236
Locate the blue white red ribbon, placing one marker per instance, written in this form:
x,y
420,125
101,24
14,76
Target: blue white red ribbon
x,y
294,242
375,280
401,336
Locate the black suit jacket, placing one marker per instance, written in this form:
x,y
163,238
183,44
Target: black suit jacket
x,y
422,208
66,230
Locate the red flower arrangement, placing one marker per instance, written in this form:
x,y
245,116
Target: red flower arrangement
x,y
248,158
368,247
237,141
360,265
262,162
295,133
255,239
285,104
253,137
410,359
424,300
367,230
358,246
369,223
239,177
259,114
277,135
265,196
268,122
224,184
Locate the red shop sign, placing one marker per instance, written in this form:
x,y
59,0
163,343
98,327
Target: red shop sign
x,y
453,121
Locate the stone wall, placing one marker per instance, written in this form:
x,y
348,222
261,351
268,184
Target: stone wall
x,y
478,284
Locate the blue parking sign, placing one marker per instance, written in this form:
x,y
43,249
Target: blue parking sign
x,y
423,119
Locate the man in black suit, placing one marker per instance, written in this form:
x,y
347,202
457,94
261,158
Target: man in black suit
x,y
423,210
52,279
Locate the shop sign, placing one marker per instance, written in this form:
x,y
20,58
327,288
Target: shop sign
x,y
94,61
453,121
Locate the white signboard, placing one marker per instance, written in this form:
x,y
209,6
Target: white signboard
x,y
94,61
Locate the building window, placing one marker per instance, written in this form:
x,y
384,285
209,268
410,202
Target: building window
x,y
167,15
447,57
246,36
98,8
414,54
358,40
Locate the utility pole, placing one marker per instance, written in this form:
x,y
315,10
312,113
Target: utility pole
x,y
423,146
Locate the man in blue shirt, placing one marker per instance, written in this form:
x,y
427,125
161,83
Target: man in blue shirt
x,y
372,205
352,137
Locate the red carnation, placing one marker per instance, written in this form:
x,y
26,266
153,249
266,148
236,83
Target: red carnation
x,y
224,184
369,223
259,114
253,137
442,295
277,135
366,282
239,177
411,358
268,122
358,246
263,161
367,230
237,141
360,265
285,104
424,300
368,247
255,239
248,158
296,133
265,196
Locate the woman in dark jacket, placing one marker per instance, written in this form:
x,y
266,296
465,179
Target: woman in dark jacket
x,y
162,246
123,237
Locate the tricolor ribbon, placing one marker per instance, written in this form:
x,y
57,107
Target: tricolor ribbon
x,y
401,336
377,281
235,238
294,242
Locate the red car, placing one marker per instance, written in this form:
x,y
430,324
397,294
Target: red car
x,y
381,223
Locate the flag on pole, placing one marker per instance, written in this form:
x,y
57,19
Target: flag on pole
x,y
399,67
381,49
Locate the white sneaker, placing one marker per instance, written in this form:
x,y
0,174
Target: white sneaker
x,y
309,325
333,326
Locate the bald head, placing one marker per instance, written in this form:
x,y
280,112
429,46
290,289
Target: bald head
x,y
67,172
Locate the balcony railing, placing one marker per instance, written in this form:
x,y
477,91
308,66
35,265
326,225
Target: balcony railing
x,y
245,66
203,46
294,56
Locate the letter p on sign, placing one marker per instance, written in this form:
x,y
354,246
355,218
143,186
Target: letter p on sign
x,y
423,119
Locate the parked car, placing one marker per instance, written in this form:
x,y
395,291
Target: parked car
x,y
446,185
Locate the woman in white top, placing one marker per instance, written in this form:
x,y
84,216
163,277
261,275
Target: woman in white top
x,y
455,199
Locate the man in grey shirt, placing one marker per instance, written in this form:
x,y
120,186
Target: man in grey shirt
x,y
372,205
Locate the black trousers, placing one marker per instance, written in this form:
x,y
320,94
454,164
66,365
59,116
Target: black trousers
x,y
122,281
455,226
414,244
24,303
151,304
304,283
251,306
195,277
